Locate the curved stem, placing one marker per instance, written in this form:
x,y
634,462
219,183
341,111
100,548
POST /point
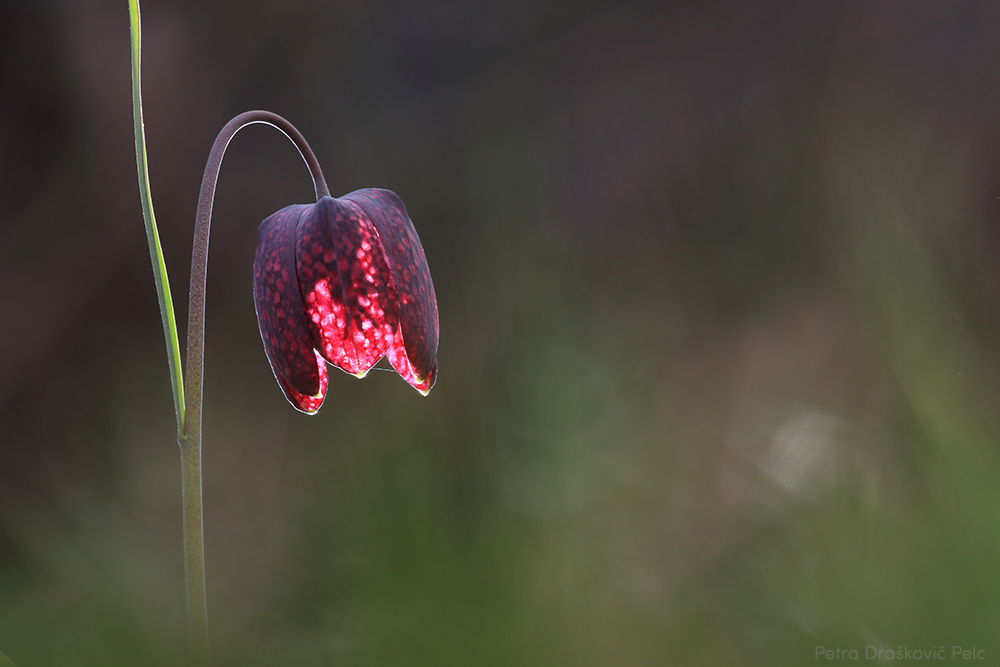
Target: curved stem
x,y
190,438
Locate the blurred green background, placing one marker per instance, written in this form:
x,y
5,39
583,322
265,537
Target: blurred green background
x,y
719,363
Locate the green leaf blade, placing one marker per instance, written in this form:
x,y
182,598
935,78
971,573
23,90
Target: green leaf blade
x,y
152,235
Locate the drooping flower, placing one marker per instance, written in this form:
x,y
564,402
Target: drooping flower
x,y
346,281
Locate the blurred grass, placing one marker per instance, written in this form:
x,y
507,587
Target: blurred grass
x,y
539,508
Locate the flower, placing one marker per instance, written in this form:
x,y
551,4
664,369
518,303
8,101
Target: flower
x,y
346,281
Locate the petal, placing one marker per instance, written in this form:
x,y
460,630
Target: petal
x,y
400,361
345,286
413,352
305,403
300,372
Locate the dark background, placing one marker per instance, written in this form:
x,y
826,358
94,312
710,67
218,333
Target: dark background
x,y
719,374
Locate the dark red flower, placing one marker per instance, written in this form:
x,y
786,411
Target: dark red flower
x,y
344,280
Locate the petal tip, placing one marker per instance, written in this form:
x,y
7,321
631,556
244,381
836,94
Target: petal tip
x,y
425,385
307,403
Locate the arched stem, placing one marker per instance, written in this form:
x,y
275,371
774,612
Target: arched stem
x,y
187,389
190,437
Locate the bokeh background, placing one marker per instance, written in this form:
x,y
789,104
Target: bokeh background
x,y
720,309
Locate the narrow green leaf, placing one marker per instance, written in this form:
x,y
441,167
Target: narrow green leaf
x,y
152,236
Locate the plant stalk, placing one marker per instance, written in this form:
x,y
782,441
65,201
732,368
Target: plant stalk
x,y
189,411
190,439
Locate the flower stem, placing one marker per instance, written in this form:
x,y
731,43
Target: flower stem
x,y
189,413
199,253
190,440
194,558
194,549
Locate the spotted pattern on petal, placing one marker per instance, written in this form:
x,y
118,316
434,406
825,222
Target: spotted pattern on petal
x,y
415,357
302,402
345,286
284,328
